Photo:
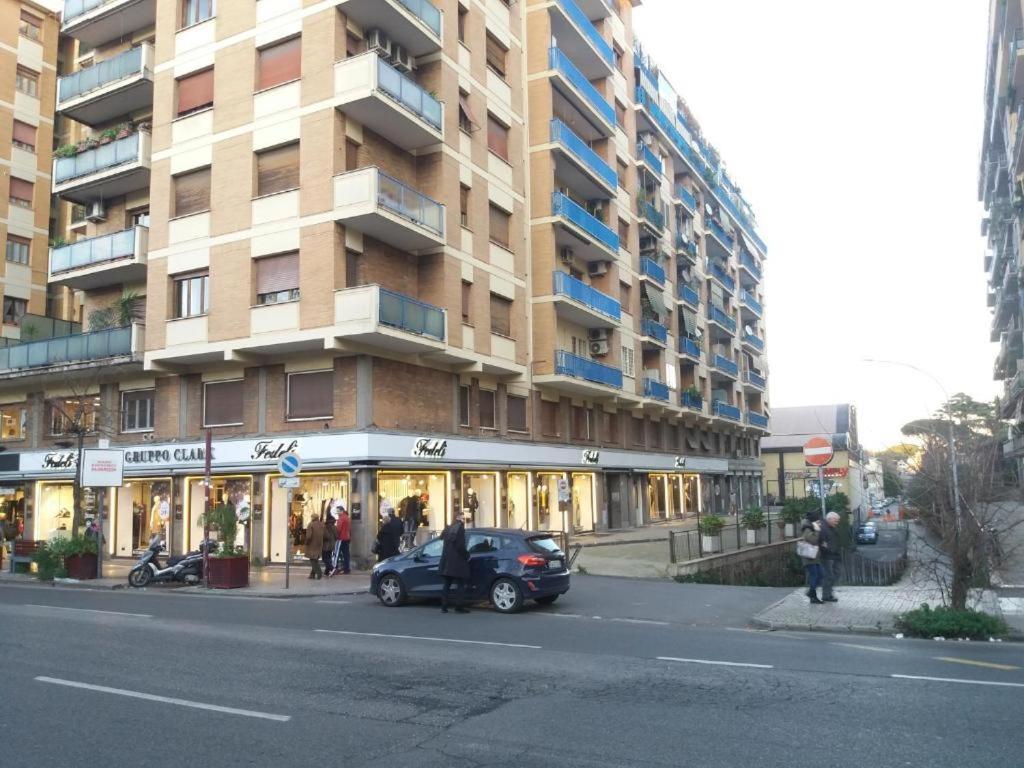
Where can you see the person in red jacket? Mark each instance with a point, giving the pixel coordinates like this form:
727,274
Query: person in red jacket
342,556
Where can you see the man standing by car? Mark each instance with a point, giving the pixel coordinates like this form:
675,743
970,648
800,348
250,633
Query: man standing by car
829,556
454,565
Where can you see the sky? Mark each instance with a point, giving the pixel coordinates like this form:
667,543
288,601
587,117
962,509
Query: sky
854,130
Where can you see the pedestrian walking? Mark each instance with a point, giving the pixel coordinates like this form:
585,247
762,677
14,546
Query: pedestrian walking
314,547
830,557
388,537
342,557
810,554
454,565
330,536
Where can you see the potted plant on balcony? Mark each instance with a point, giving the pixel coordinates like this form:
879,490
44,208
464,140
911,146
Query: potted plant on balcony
66,150
711,533
106,136
123,131
753,521
229,565
120,313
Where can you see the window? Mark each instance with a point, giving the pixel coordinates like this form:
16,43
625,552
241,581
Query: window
654,434
18,249
139,217
192,295
14,310
618,55
464,205
353,45
516,413
463,15
486,407
277,278
623,235
311,395
621,171
73,415
498,226
195,11
223,403
628,362
30,26
27,81
497,137
433,548
192,192
625,289
353,268
195,92
21,192
24,136
620,114
137,410
467,289
550,425
638,431
467,123
277,169
501,315
497,53
279,63
580,422
463,406
12,422
610,427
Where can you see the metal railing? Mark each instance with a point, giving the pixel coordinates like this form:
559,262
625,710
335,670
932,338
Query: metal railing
408,93
38,327
652,269
425,12
646,155
689,295
407,202
756,419
689,347
754,341
562,134
93,250
725,410
101,74
725,365
650,214
75,8
562,64
723,277
718,231
747,299
691,401
653,329
748,263
716,315
655,389
408,314
689,544
117,152
563,205
568,364
589,31
83,347
575,289
687,197
755,379
686,244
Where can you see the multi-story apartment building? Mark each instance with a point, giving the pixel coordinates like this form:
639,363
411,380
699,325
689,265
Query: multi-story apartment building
476,250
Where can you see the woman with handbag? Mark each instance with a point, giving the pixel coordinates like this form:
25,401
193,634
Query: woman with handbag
807,547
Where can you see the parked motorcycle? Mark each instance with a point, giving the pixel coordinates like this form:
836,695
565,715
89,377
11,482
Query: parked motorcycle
187,569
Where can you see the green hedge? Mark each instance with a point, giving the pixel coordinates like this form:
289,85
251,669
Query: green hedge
951,623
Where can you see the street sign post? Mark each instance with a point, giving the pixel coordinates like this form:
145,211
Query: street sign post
289,466
817,453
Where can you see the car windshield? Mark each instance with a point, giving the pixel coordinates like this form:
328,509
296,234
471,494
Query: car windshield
544,544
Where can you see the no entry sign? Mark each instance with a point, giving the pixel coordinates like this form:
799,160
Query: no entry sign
818,451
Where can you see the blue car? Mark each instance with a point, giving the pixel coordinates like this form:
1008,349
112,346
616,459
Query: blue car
507,568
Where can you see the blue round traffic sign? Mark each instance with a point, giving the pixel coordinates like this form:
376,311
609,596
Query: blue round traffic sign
289,464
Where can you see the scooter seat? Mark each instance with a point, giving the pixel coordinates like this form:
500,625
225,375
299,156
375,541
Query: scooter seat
175,559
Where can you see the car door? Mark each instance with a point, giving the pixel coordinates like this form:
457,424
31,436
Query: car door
483,551
420,576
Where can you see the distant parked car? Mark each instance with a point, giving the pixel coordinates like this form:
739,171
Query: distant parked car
867,534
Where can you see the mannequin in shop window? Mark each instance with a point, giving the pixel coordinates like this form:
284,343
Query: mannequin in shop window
471,505
412,512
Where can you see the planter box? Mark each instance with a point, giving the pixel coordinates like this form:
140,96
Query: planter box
229,572
751,536
80,566
711,543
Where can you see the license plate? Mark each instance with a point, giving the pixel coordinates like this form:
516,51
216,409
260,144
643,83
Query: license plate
555,565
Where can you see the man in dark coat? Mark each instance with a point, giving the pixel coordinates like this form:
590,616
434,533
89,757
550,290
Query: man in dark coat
454,564
388,537
830,557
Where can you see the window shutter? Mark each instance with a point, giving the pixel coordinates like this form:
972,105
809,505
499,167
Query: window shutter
277,273
466,111
224,403
311,395
277,169
280,63
497,138
501,315
486,403
516,413
498,229
195,92
192,192
496,53
21,189
24,133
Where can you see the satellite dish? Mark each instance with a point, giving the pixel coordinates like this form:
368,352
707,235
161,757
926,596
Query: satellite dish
748,330
698,331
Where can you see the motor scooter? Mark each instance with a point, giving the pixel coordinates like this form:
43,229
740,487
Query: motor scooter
184,568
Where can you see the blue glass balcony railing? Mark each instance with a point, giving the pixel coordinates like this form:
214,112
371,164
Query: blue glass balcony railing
118,152
80,348
748,263
726,366
686,197
74,8
646,155
717,315
575,289
650,214
655,390
561,63
579,18
689,295
755,379
93,250
408,314
99,75
652,269
568,364
718,231
407,202
691,401
686,245
689,347
754,341
747,299
653,329
562,134
726,411
562,205
756,419
723,277
425,12
408,93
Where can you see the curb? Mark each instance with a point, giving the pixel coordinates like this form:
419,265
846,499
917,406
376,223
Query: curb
774,626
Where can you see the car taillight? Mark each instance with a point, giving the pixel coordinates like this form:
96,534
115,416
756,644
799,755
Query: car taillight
532,561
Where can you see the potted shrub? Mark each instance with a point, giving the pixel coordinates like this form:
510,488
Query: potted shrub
67,150
753,521
107,136
80,557
124,130
711,533
229,565
792,514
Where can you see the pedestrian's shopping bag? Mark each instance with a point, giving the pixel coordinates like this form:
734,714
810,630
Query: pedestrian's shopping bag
806,549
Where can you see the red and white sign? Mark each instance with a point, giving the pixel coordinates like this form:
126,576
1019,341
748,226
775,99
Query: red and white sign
818,451
102,468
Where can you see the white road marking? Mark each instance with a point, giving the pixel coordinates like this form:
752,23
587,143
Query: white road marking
431,639
716,663
866,647
957,680
165,699
90,610
643,621
335,602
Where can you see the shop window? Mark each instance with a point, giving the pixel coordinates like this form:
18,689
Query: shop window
550,424
467,293
24,136
195,93
21,192
195,11
497,137
610,427
463,405
30,26
277,169
192,192
464,205
233,491
497,56
223,403
638,431
311,395
501,315
138,410
487,409
480,499
279,63
18,249
467,123
192,295
27,81
12,422
277,278
431,489
581,427
317,494
515,408
73,415
498,228
150,502
14,310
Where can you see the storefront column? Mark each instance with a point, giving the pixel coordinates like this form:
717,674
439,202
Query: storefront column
364,526
600,503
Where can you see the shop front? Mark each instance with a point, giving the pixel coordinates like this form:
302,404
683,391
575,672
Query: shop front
481,500
318,495
429,514
12,510
232,490
142,509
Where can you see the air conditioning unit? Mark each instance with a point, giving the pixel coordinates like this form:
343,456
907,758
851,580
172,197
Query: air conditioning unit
379,42
599,348
646,137
402,59
598,334
597,268
598,211
565,255
96,211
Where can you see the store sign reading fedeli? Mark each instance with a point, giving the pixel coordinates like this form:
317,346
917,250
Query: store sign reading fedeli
429,448
63,460
590,456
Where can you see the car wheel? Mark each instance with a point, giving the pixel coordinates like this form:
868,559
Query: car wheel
547,599
140,578
391,591
506,596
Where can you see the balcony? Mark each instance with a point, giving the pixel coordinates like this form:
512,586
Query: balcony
113,259
67,354
720,318
650,216
689,348
108,171
651,329
748,304
645,156
758,420
686,198
413,24
596,9
381,319
599,242
692,402
583,375
375,204
749,269
725,411
577,90
725,366
689,296
109,89
652,269
94,22
579,38
655,390
686,245
724,239
723,277
580,303
755,343
585,170
754,381
380,97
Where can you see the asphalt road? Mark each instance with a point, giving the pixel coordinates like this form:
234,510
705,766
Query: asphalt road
618,673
